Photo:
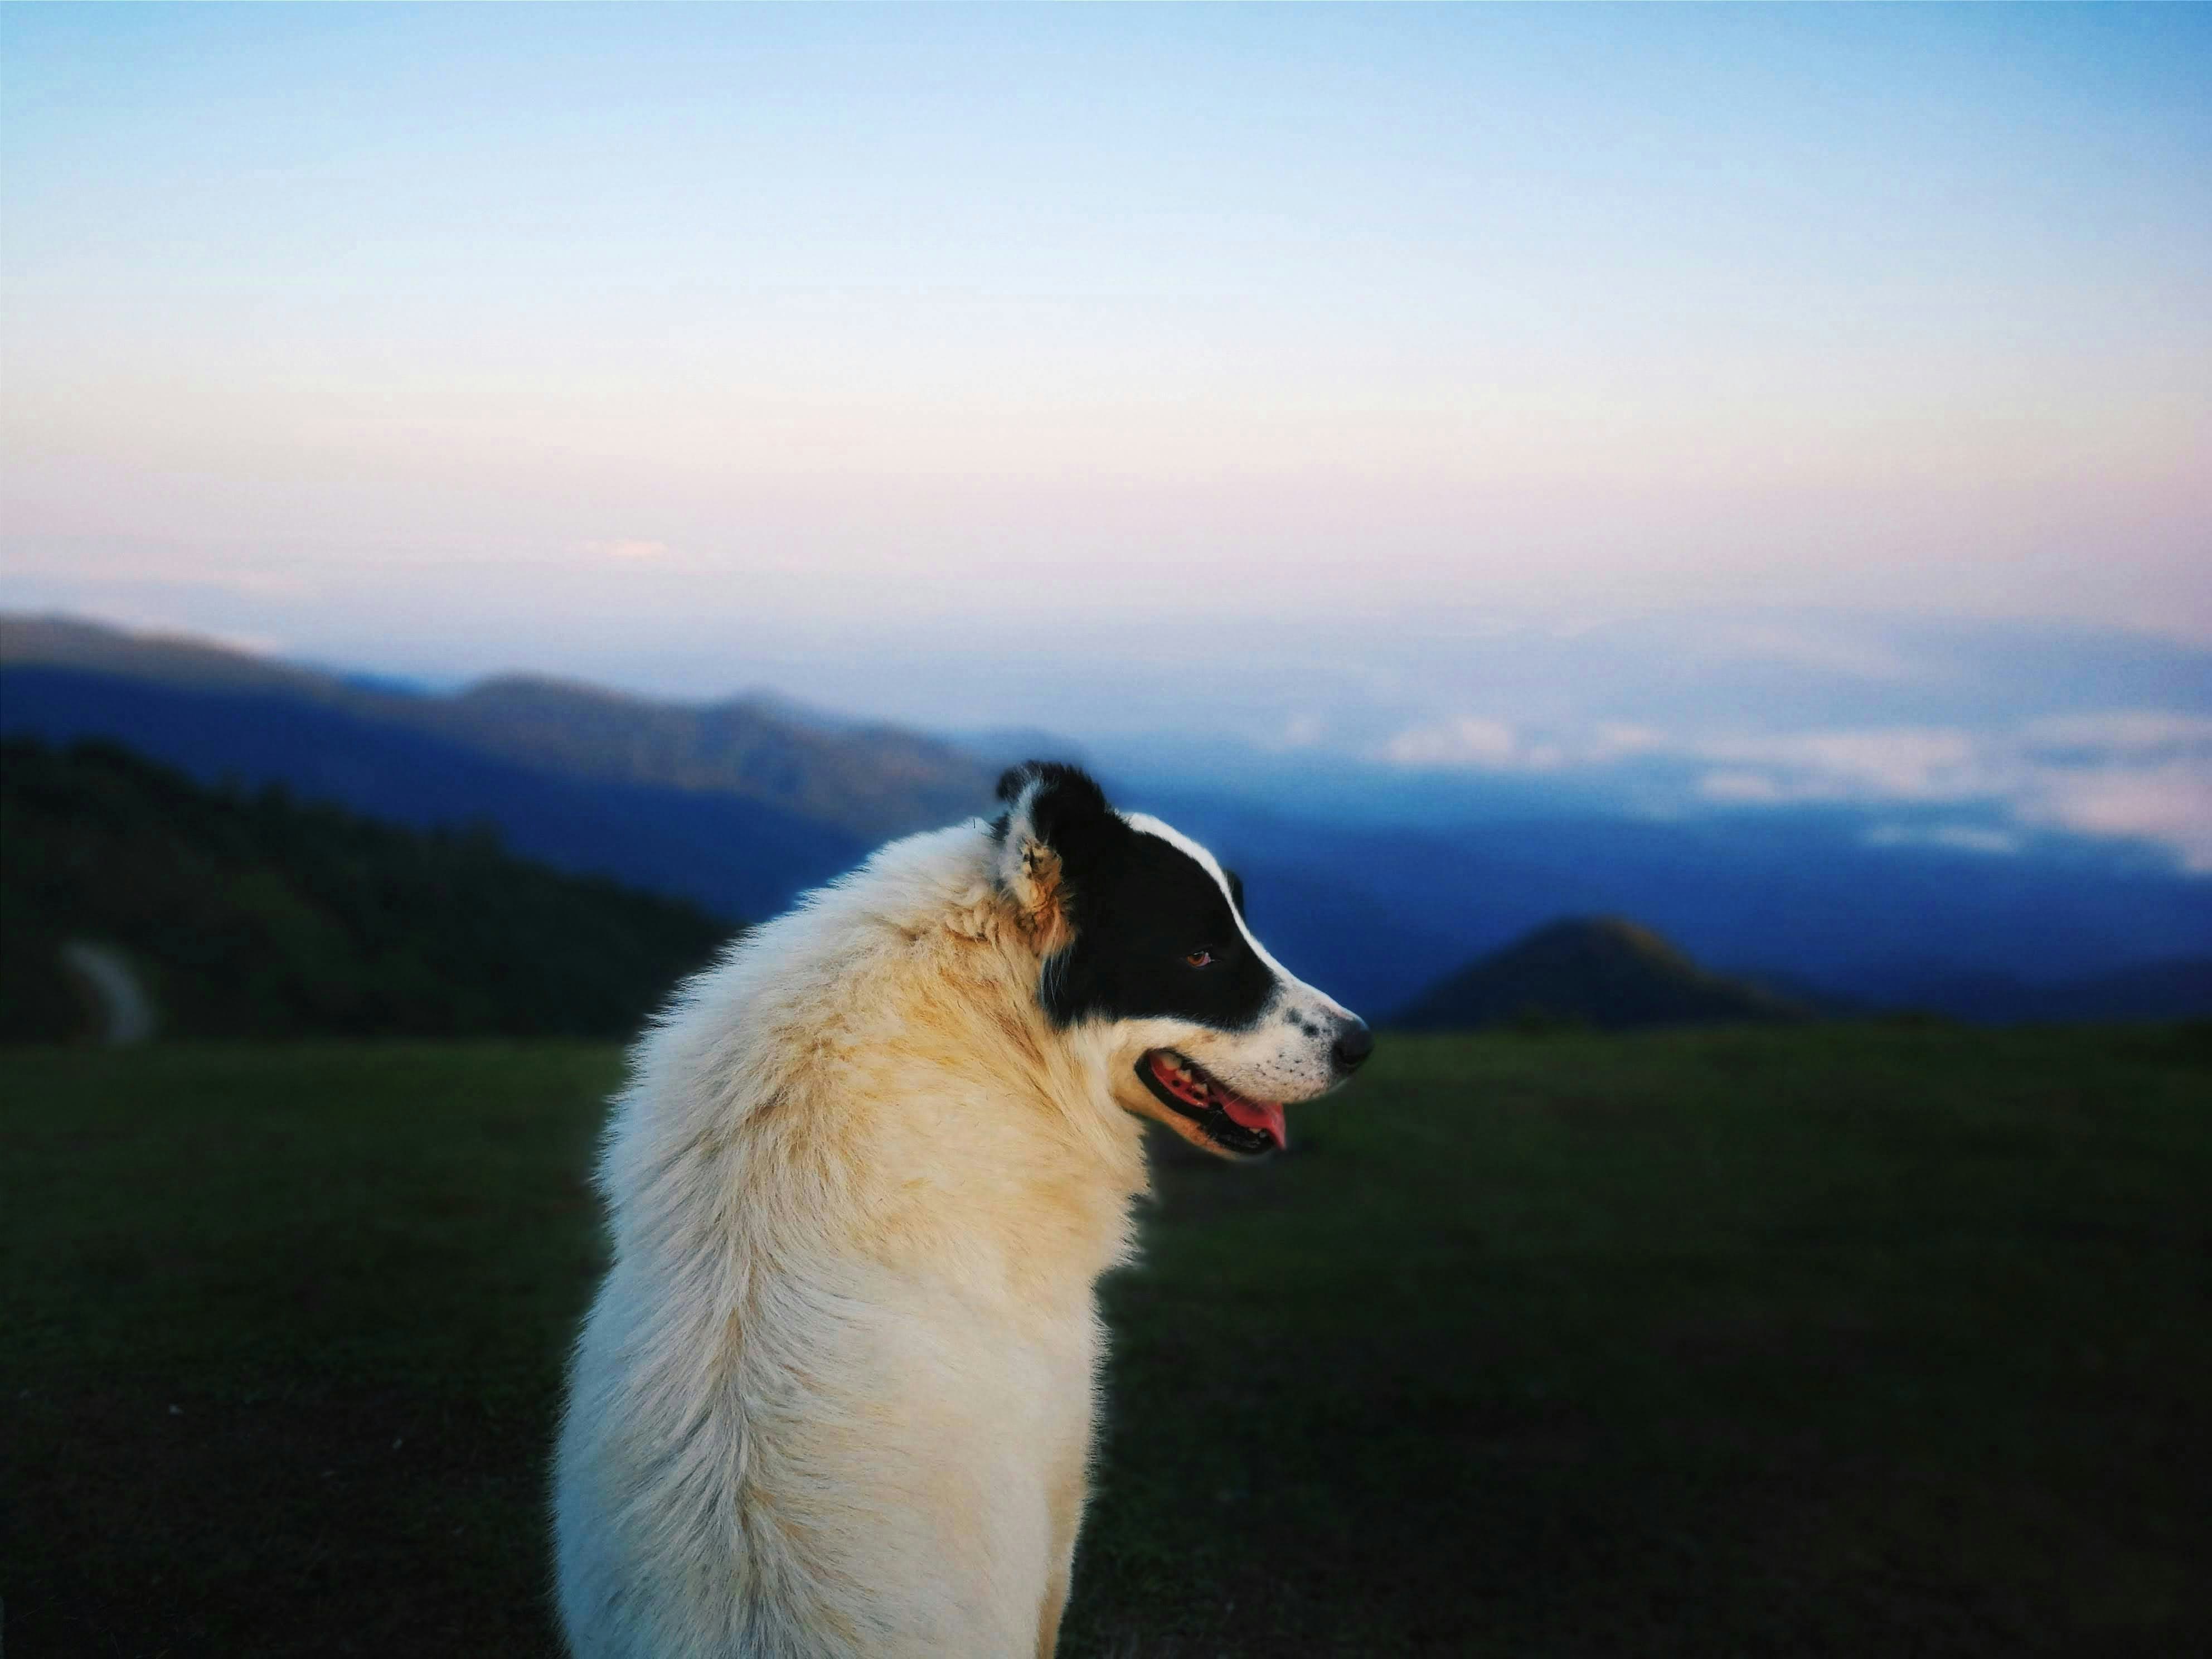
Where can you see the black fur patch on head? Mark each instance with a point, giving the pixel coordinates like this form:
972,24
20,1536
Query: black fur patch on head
1068,800
1155,935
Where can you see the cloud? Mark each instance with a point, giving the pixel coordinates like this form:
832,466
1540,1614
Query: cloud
1472,741
2132,731
2132,775
1960,837
1899,763
1482,743
1616,741
1856,659
2170,802
1741,789
2137,775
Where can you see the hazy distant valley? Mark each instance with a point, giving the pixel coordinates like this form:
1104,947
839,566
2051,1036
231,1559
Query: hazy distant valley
739,806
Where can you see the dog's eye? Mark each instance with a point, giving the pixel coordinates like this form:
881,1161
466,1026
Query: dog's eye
1199,959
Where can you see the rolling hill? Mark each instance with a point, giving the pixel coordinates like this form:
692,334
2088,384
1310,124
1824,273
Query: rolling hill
256,915
1600,971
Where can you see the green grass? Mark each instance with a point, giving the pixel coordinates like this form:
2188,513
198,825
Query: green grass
1834,1340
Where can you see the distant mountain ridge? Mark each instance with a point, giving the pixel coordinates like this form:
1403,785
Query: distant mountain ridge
1604,971
2177,987
739,858
739,806
870,782
1615,975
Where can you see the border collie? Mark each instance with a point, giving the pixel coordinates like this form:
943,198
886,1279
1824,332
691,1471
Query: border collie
835,1396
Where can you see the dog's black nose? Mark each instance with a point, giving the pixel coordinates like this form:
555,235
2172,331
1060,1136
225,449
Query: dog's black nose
1353,1044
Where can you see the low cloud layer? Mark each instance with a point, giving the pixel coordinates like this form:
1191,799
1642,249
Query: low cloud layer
2132,775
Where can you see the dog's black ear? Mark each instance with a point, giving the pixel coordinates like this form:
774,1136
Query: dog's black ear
1057,821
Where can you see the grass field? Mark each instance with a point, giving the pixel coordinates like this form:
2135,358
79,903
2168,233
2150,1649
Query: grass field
1880,1341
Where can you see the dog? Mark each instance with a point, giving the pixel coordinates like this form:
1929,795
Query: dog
835,1396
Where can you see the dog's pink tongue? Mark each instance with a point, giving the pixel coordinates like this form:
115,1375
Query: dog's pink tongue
1258,1115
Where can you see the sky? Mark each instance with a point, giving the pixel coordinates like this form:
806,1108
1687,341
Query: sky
1790,391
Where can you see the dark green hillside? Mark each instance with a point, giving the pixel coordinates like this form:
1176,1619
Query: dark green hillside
1602,971
259,915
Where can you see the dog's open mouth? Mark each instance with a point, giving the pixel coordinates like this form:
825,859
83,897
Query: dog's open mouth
1236,1123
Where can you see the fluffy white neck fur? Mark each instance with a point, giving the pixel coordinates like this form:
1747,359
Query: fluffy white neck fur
926,1061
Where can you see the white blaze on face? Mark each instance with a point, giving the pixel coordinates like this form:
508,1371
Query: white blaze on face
1287,1053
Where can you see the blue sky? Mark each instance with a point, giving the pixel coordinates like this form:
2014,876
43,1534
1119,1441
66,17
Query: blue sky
1270,373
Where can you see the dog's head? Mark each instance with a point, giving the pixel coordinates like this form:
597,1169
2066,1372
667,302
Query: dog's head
1142,943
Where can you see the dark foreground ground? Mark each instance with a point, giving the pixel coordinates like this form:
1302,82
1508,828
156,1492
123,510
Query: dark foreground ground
1882,1341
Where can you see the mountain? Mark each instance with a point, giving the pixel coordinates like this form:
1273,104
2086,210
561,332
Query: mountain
867,781
256,915
740,805
2176,988
737,857
1376,913
1603,971
171,660
871,782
